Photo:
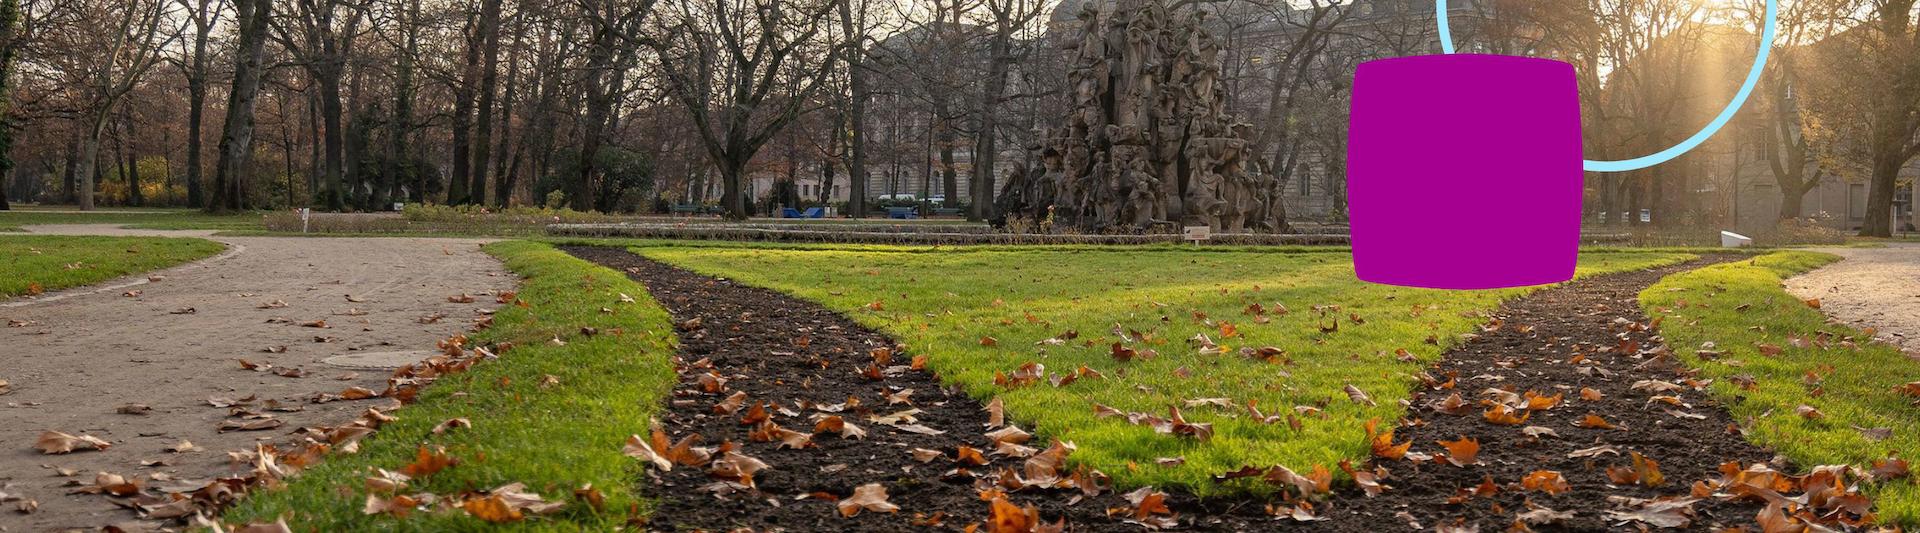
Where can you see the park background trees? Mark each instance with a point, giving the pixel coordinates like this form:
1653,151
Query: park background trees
357,104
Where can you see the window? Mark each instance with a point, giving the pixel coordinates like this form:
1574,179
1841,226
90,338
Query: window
1856,200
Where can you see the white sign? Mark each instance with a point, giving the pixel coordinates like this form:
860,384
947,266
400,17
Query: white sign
1730,239
305,215
1197,233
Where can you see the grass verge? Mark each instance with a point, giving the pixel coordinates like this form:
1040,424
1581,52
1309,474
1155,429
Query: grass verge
134,217
982,312
555,437
32,264
1741,308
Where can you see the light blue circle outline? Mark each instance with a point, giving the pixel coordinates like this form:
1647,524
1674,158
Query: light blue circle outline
1726,114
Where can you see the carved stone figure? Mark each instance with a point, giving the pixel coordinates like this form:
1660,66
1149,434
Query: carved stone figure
1147,145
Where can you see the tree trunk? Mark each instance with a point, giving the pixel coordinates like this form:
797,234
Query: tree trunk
236,138
986,149
1878,221
461,178
509,160
733,197
89,159
72,173
856,114
949,176
331,111
599,100
489,71
399,156
135,197
196,104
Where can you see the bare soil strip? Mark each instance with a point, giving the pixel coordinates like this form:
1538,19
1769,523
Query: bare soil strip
1583,338
143,366
808,363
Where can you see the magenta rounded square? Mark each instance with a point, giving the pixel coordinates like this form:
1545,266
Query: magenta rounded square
1464,171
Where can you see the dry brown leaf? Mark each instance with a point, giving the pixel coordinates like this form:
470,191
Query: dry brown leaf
1463,452
1382,442
1593,421
1547,481
996,413
398,506
1500,414
426,462
835,424
868,497
640,449
1358,396
54,443
257,424
450,424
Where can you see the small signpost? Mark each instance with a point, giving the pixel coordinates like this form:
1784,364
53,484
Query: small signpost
306,214
1197,233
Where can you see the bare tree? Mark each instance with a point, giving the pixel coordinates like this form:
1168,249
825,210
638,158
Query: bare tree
205,14
236,138
854,27
1882,60
108,46
321,34
724,61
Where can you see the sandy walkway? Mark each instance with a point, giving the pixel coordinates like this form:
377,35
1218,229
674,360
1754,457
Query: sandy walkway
1873,287
81,355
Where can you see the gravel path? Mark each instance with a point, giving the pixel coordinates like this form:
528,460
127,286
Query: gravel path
73,359
1873,287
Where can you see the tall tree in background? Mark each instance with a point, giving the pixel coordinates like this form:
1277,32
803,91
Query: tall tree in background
401,126
1291,63
853,32
507,164
613,30
1005,18
1885,51
724,61
236,137
488,31
321,35
9,32
204,14
460,181
110,45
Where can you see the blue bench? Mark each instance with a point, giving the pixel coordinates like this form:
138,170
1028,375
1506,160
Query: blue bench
811,212
903,212
686,209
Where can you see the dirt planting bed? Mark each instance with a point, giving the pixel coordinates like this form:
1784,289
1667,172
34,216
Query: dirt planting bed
800,420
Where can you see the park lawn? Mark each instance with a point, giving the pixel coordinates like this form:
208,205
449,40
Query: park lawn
554,437
1860,383
33,264
133,217
945,303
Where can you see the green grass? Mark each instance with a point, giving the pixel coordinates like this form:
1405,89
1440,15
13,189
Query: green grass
50,263
1703,306
942,301
134,217
554,439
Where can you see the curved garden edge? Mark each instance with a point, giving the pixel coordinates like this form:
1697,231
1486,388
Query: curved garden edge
1772,356
582,365
44,268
